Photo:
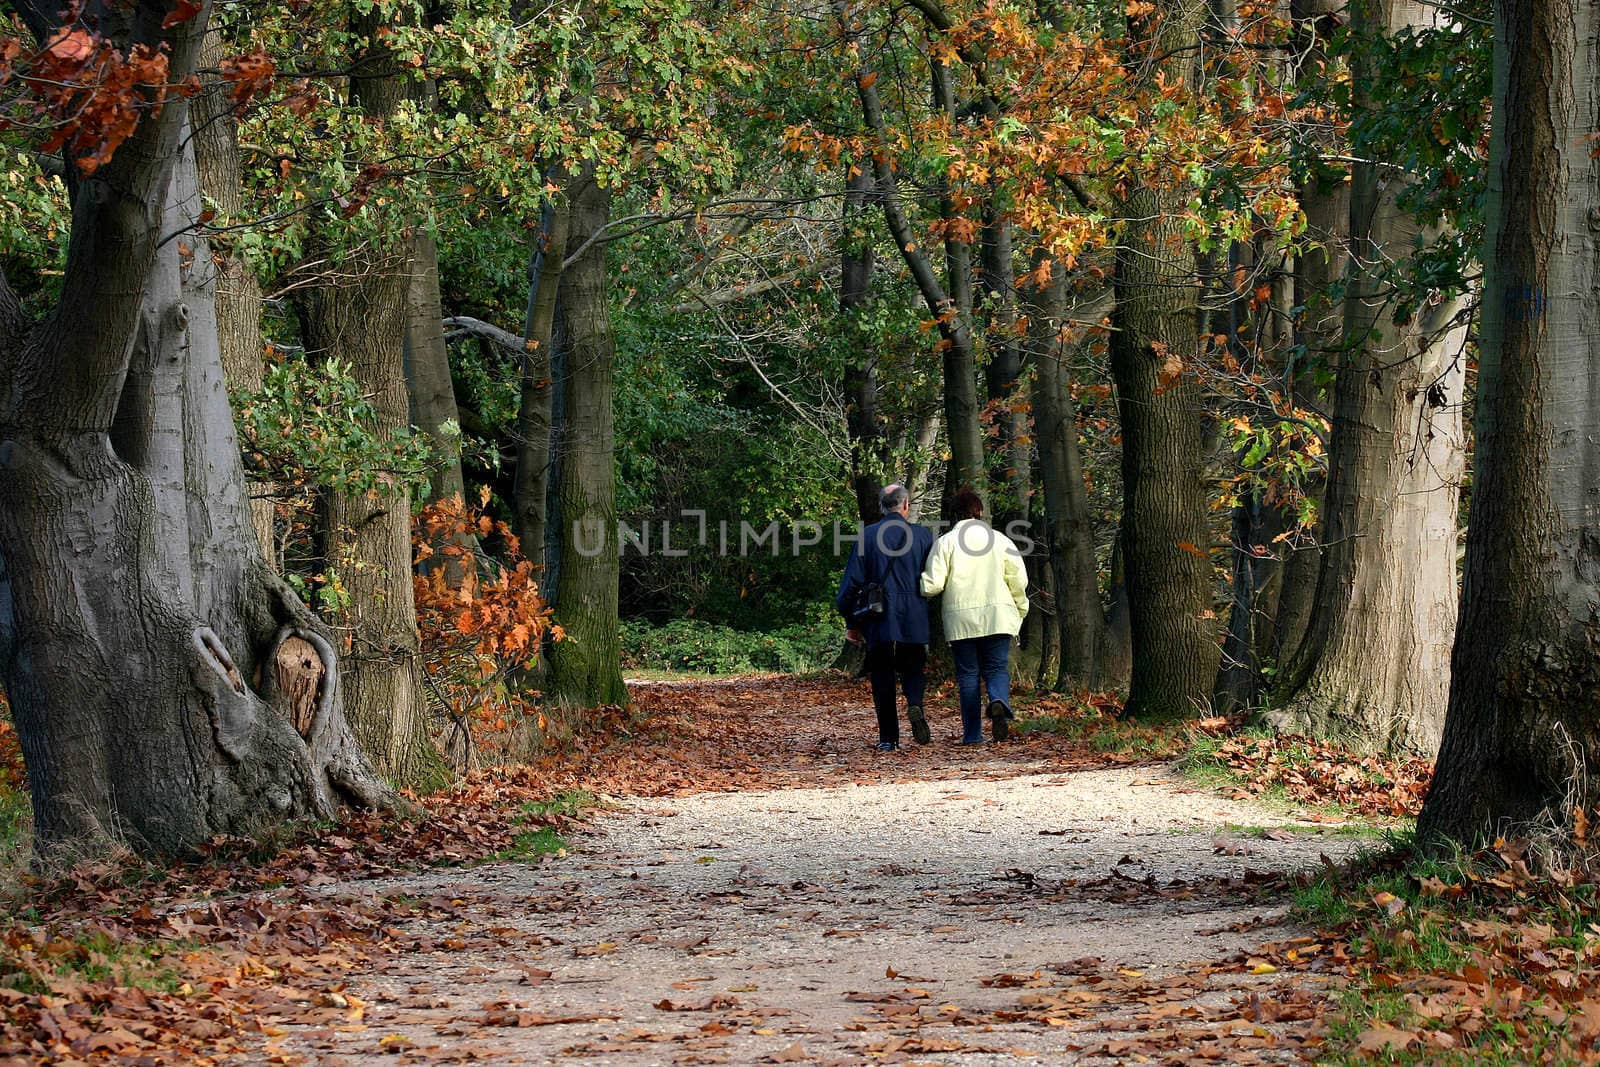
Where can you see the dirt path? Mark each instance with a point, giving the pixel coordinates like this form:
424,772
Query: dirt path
986,912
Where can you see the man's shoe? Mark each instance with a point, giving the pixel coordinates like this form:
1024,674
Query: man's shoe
970,741
999,720
885,746
919,724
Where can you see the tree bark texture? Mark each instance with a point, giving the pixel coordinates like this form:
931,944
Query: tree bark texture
1157,320
140,627
1373,669
427,370
1069,531
238,300
585,667
1520,739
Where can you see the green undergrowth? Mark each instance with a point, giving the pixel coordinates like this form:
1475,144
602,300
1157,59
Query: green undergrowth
697,648
32,961
1458,960
540,820
1093,724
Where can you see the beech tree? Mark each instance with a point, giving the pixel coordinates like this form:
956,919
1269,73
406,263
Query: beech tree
1155,340
1372,669
166,685
1520,733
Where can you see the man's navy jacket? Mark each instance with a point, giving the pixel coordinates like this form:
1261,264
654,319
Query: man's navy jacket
892,553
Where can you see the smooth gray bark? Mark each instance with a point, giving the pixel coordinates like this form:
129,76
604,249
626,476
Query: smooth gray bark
140,627
1373,669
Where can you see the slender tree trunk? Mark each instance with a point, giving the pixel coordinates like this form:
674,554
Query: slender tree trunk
147,650
585,668
534,413
967,468
951,307
238,299
1520,741
1006,363
427,367
1079,618
1117,662
358,316
861,378
1373,670
1318,330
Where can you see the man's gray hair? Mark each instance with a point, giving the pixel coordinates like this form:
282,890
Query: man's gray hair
893,498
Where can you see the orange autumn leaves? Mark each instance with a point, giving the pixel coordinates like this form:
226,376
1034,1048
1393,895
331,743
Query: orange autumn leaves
480,625
1061,124
84,93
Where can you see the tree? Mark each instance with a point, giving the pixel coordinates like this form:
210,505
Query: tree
1524,704
1372,670
354,309
585,667
216,146
1155,342
166,686
1079,617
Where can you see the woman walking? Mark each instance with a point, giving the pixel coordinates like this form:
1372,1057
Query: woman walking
985,597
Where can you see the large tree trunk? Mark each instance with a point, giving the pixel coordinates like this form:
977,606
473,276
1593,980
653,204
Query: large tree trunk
1079,618
166,686
1523,732
1373,670
238,299
1165,535
585,668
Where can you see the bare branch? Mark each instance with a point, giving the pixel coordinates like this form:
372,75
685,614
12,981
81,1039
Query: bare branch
460,326
736,293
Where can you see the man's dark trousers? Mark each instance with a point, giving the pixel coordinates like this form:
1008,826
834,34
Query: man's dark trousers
884,661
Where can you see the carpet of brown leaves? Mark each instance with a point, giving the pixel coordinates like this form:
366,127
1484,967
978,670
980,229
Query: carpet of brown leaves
1317,774
118,960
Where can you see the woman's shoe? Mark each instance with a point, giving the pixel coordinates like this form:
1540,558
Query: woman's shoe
919,724
970,741
999,720
885,746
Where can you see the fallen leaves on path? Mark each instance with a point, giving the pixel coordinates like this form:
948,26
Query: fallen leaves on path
1318,774
226,955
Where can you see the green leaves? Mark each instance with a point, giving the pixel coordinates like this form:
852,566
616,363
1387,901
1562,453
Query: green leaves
311,425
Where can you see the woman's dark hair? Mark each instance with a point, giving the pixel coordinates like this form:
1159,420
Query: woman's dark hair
967,505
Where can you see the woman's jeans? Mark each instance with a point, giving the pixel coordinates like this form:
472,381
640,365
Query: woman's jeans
982,659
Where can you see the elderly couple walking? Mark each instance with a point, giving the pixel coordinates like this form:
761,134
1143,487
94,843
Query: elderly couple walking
894,570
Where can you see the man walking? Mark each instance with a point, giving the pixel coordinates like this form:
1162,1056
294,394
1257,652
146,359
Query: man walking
881,603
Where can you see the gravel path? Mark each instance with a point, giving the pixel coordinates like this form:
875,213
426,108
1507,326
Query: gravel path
1052,916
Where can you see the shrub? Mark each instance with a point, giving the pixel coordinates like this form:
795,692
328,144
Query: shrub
707,648
13,777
